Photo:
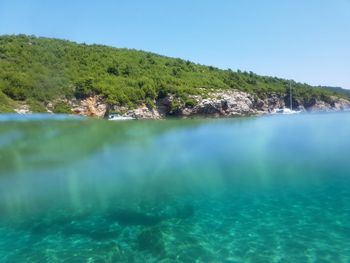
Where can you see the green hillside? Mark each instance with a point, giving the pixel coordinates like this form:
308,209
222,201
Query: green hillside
40,70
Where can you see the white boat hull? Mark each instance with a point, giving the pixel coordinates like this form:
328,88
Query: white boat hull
285,111
119,118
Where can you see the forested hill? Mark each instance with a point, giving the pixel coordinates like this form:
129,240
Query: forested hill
39,70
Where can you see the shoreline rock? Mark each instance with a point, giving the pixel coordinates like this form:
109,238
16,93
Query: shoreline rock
23,109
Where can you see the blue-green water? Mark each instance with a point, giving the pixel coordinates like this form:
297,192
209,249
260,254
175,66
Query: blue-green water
269,189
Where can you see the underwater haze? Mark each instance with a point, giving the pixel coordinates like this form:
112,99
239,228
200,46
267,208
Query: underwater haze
266,189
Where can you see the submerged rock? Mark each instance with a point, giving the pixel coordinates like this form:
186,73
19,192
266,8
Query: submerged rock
128,217
95,232
184,212
151,240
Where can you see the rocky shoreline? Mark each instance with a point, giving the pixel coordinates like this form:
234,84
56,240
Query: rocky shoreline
216,104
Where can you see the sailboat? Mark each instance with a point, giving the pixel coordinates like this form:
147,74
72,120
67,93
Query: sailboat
290,109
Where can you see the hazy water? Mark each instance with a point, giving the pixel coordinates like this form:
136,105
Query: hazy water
270,189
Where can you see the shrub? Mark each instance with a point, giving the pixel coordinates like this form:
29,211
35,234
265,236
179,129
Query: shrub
85,88
190,102
175,106
6,105
36,106
113,71
62,107
150,104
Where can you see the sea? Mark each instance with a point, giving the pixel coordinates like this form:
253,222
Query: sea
268,189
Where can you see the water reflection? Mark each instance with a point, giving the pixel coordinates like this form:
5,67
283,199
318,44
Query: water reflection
37,144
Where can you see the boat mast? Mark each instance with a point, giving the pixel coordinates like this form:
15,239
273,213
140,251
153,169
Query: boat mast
290,96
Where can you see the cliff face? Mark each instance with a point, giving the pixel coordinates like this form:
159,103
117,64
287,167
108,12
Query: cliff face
218,104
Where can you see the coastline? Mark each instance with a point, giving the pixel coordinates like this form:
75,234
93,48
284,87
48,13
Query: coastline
229,103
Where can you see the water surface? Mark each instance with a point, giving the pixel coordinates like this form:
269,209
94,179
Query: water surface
268,189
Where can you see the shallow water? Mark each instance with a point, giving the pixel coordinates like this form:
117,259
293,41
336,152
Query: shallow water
269,189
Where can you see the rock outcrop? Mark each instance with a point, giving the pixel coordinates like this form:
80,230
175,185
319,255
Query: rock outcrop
95,106
231,103
141,112
336,104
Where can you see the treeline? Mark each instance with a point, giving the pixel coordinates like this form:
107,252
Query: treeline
39,70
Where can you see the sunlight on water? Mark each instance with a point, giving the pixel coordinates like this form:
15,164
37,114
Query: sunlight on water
270,189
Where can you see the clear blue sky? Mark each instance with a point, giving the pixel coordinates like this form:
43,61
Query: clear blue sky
305,40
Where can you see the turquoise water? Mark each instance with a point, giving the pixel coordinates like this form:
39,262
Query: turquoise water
267,189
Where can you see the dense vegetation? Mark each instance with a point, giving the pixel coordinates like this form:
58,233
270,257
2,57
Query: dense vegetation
38,70
6,105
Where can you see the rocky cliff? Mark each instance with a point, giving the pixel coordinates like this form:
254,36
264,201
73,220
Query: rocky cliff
219,104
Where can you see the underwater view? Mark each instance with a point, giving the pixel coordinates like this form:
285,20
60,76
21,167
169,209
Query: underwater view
257,189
